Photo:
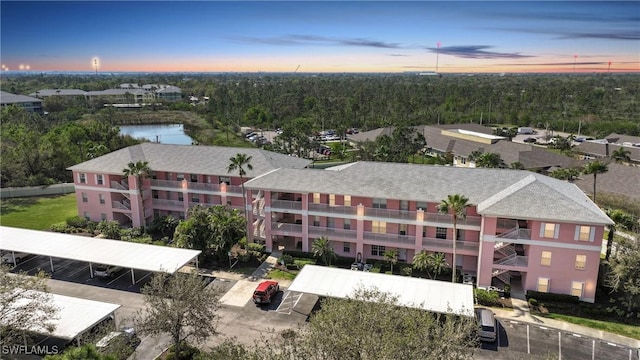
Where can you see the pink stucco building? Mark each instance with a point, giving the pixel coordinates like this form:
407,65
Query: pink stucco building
521,226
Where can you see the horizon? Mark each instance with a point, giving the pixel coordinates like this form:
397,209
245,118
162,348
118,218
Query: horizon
461,37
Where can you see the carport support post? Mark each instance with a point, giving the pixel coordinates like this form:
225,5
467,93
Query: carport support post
91,269
51,262
133,277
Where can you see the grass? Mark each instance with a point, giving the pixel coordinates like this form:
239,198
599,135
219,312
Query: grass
278,274
37,213
612,327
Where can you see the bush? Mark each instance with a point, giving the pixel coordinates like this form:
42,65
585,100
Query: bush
285,259
533,302
243,243
560,298
77,221
256,247
187,352
60,227
487,297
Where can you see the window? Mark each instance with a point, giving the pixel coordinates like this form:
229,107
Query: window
577,288
545,259
584,233
194,178
421,205
195,198
543,284
84,197
347,224
154,194
403,229
441,233
316,198
549,230
180,177
225,179
154,175
581,262
346,247
404,205
332,200
82,178
424,231
180,197
377,250
463,160
87,216
103,216
379,227
101,197
100,179
379,203
331,223
316,221
347,200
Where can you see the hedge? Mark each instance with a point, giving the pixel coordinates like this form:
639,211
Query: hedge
562,298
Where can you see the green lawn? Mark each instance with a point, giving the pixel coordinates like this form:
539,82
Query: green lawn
37,213
612,327
278,274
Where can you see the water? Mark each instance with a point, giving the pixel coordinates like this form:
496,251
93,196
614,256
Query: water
164,134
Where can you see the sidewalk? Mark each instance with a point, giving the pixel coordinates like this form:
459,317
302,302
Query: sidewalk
520,313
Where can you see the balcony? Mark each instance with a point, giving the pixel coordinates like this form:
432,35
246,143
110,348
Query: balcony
448,219
341,210
203,186
124,205
390,214
286,205
331,233
286,229
172,184
122,185
447,245
395,239
176,204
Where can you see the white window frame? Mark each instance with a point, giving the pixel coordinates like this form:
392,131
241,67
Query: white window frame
225,179
545,260
547,285
82,178
422,205
544,233
573,288
378,250
585,236
379,203
99,179
347,200
85,198
331,223
87,216
582,263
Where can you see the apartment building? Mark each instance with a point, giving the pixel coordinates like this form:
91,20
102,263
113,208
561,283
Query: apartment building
182,176
28,103
521,226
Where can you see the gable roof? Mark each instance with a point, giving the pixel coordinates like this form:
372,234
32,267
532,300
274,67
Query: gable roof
620,180
59,92
9,98
498,193
189,159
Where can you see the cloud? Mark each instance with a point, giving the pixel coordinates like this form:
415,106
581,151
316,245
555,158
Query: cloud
618,35
476,52
558,63
305,40
400,55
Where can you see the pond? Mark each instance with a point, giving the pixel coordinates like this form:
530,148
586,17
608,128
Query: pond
161,133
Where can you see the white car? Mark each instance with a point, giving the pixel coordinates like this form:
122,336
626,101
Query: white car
8,257
105,271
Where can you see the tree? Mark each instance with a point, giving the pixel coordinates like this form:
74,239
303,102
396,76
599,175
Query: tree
595,168
432,263
214,230
86,352
140,170
620,220
391,256
489,160
238,163
623,275
421,261
322,248
456,205
621,155
25,305
517,165
181,305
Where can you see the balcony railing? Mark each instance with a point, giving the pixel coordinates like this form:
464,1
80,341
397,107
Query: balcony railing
286,205
448,219
513,260
286,228
119,185
325,208
390,214
318,231
168,203
447,245
124,205
173,184
179,184
390,238
516,234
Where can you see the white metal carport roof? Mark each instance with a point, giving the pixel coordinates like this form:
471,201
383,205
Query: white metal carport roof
431,295
94,250
75,316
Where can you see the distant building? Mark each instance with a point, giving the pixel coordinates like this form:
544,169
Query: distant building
28,103
58,92
169,93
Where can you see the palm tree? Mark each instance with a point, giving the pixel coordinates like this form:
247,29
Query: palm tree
321,248
595,168
456,204
421,261
621,155
620,220
437,263
140,170
489,160
238,163
391,256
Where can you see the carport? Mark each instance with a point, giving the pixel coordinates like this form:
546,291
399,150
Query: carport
75,316
124,254
431,295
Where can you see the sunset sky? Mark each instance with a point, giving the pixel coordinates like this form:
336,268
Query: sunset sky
331,36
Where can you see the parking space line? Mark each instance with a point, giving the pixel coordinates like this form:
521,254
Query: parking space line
577,335
593,350
528,341
84,268
514,322
612,344
543,328
146,276
116,279
559,345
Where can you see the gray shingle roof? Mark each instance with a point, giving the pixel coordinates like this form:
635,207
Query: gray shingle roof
495,191
59,92
188,159
116,92
620,180
9,98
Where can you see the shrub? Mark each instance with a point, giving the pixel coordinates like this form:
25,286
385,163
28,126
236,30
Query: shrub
60,227
487,297
533,302
256,247
285,259
243,243
407,271
77,221
560,298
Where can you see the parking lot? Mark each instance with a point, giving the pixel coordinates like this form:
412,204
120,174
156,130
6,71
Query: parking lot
517,339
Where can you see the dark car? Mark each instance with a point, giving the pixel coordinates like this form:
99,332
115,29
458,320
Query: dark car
530,140
265,292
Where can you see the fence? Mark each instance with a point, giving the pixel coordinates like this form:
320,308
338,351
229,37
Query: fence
56,189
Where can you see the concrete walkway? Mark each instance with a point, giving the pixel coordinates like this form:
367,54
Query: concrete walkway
521,313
